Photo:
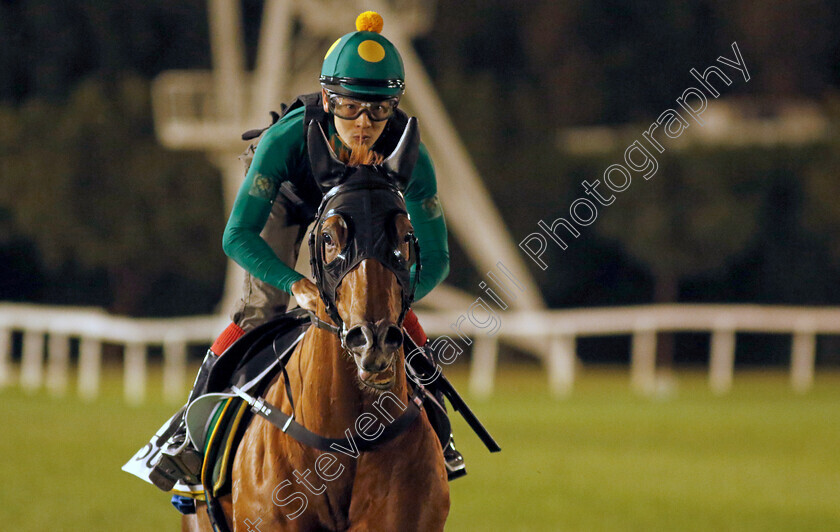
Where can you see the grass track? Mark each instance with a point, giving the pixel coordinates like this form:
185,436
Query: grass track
761,458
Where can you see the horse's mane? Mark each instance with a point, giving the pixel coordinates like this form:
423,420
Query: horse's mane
361,155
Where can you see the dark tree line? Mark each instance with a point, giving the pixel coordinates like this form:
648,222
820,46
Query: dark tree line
75,127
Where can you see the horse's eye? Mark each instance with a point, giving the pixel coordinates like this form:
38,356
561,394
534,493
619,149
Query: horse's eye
327,239
407,237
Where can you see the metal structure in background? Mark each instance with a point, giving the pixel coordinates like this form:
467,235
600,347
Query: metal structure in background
51,331
731,122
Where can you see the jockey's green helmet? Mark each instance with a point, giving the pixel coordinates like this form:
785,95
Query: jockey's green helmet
364,64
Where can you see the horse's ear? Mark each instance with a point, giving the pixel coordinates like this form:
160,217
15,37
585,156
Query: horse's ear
400,164
326,167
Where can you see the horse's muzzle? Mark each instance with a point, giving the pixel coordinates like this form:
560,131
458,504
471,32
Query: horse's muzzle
373,346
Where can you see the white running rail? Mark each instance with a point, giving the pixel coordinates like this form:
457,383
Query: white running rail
93,327
47,333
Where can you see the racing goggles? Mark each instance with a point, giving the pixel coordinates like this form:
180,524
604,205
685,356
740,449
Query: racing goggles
350,108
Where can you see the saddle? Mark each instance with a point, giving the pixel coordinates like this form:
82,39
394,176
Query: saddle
246,358
217,420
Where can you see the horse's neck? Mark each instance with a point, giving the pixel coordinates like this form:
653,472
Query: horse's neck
328,397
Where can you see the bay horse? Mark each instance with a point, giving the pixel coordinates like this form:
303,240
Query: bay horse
340,382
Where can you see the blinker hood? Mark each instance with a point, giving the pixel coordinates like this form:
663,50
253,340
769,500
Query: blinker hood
368,198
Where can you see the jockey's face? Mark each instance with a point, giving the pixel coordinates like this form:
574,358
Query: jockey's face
361,130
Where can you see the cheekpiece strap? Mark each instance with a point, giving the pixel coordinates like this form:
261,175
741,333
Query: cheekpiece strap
321,324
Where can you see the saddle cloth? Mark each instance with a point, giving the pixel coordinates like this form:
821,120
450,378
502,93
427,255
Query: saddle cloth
217,420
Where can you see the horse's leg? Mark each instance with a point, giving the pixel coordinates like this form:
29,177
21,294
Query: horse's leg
407,508
256,509
393,493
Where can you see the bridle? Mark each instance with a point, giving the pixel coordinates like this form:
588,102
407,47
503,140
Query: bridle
371,234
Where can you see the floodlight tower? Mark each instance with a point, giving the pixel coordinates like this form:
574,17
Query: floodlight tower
209,110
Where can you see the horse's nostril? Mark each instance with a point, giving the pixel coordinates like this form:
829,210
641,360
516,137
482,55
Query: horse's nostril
356,338
393,338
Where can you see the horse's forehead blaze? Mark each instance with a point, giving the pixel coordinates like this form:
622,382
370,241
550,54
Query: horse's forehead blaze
369,292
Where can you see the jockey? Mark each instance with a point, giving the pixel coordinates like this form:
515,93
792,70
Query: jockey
362,81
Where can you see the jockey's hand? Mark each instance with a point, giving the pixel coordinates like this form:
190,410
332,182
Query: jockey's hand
306,294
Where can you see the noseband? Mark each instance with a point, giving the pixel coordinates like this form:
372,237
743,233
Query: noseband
369,203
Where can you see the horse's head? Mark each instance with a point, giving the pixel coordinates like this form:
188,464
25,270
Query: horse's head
362,248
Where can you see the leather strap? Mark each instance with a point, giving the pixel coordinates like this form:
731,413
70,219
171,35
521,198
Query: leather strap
321,324
288,425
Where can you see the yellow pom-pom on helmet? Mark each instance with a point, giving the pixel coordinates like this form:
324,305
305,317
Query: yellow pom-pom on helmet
370,21
363,63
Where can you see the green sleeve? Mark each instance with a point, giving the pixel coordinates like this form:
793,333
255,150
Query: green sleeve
426,216
278,156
